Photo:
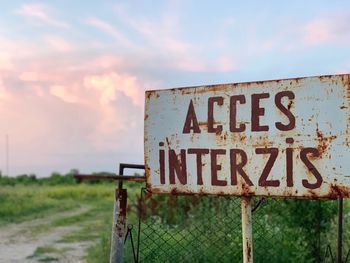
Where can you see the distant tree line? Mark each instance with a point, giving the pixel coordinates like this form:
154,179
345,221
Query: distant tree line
54,179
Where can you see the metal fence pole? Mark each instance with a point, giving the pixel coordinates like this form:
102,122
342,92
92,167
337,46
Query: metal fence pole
119,216
247,233
118,229
340,231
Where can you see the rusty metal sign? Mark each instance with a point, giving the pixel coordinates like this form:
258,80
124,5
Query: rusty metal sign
271,138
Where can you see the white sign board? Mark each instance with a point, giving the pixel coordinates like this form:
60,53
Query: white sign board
271,138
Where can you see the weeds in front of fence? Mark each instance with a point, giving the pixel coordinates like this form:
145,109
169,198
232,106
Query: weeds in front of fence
208,229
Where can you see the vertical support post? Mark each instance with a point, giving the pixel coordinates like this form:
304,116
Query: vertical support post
118,229
119,217
247,233
340,231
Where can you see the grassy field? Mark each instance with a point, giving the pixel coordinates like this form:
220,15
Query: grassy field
89,207
59,219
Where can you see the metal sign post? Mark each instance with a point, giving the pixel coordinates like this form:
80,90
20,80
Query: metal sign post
247,232
120,206
119,216
118,229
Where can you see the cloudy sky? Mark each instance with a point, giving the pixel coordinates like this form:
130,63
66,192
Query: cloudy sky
73,73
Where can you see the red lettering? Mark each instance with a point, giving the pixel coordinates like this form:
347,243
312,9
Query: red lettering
285,111
211,101
177,167
191,122
303,156
233,113
289,163
266,171
215,167
257,112
237,168
199,153
162,166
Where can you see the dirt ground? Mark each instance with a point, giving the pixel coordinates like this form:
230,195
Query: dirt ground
32,241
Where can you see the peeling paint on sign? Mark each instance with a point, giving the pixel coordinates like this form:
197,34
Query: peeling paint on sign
271,138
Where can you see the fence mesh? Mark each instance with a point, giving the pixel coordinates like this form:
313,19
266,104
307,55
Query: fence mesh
192,229
208,229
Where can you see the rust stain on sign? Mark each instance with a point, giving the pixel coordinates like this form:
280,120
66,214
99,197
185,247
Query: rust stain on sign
268,138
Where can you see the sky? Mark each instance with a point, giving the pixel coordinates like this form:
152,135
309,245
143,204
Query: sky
73,73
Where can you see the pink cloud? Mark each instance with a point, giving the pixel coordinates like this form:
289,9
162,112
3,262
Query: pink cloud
5,94
59,44
64,93
328,29
11,49
226,63
40,13
43,70
108,61
317,32
29,76
5,63
52,105
109,84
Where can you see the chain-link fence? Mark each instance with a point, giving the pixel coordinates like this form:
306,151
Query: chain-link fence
208,229
190,229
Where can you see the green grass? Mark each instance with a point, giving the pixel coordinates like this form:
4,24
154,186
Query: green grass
48,259
41,254
21,203
47,253
44,250
100,251
91,230
62,203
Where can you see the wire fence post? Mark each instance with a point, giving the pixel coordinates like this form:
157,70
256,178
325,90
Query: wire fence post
118,229
119,216
247,233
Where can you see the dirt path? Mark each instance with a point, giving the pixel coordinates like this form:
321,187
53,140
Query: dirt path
18,242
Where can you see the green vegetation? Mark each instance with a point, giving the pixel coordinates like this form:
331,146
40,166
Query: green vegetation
20,203
99,252
54,179
196,229
88,205
43,250
46,253
173,229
